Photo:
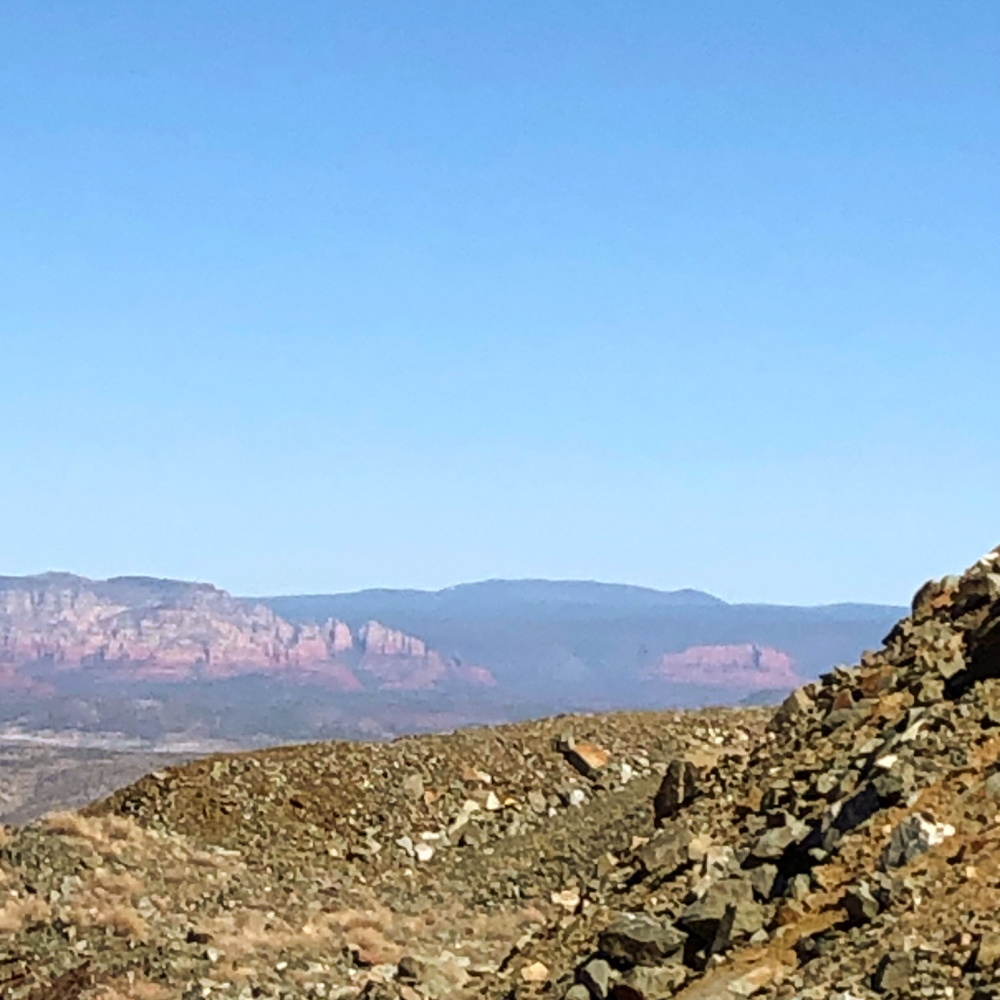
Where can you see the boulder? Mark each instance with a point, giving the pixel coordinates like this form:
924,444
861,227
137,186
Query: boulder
988,952
798,702
647,983
588,758
912,837
861,905
702,918
678,787
773,843
640,939
762,878
596,976
413,787
667,851
893,973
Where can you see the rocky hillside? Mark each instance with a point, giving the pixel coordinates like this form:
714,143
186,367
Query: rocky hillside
133,629
845,846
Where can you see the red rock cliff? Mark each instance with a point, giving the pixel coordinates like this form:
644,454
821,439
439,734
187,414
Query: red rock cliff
141,629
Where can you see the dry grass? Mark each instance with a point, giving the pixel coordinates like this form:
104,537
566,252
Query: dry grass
108,835
124,920
371,947
107,900
503,928
21,912
122,843
218,859
375,935
251,932
132,987
121,917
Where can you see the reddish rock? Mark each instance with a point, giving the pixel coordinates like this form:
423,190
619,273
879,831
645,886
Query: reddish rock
741,666
139,629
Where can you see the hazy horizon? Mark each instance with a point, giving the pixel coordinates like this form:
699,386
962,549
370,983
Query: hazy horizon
513,581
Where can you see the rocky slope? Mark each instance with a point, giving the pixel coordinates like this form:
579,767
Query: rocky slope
845,846
133,629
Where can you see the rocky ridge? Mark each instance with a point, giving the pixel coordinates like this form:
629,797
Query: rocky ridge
853,854
138,629
845,846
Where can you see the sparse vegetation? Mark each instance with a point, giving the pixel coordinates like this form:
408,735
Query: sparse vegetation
770,854
20,913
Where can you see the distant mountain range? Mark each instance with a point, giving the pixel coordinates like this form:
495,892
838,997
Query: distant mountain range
479,651
613,643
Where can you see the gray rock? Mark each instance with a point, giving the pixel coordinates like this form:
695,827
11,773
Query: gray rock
773,843
678,787
650,983
702,918
413,787
894,972
640,939
666,852
724,932
861,906
993,787
795,704
912,837
596,976
409,969
988,952
799,887
537,801
762,879
928,690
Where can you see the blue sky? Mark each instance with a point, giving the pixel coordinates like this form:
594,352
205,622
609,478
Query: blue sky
303,297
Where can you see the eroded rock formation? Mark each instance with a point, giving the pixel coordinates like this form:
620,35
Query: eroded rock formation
743,665
142,629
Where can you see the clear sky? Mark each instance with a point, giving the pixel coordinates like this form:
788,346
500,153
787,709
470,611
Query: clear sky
314,296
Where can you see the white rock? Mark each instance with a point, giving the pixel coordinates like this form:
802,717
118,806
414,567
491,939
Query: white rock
568,899
936,833
535,973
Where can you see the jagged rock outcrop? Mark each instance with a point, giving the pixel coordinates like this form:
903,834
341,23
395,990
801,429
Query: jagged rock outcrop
134,628
852,854
403,662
